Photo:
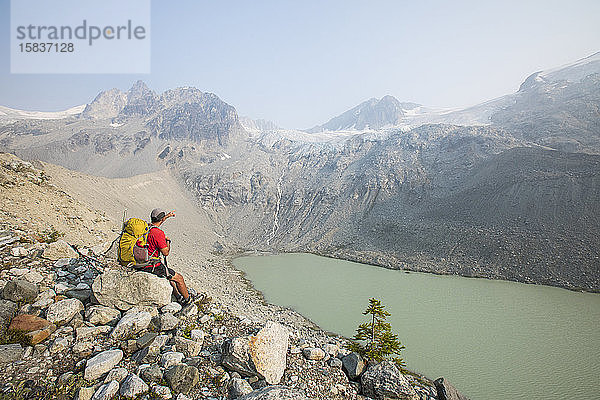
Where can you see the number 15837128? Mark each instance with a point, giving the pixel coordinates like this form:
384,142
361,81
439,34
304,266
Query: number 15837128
46,47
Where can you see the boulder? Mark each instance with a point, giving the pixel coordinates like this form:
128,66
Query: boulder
33,277
85,393
19,251
20,290
275,393
331,349
335,363
197,335
190,348
385,381
132,387
106,391
124,290
102,315
172,308
446,391
171,358
238,387
63,311
263,354
145,340
60,249
101,363
7,310
10,353
162,392
182,378
36,329
354,365
167,321
132,322
152,373
87,332
313,353
116,374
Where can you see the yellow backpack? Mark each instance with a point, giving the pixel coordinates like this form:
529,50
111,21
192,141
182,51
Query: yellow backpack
135,231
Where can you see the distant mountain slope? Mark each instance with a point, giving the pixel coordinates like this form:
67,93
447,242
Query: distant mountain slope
8,115
371,114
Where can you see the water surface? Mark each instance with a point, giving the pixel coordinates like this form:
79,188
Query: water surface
492,339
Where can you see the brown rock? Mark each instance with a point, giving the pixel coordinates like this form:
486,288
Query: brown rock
36,329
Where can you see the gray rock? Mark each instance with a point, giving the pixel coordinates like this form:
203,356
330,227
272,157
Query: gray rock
171,358
182,378
85,332
168,321
106,391
152,373
331,349
197,335
385,381
81,295
133,386
190,348
263,355
140,356
313,353
33,277
275,393
60,343
238,387
10,353
116,374
59,249
123,290
163,392
335,363
236,356
20,290
7,311
101,363
132,322
172,308
102,315
63,311
446,391
146,339
354,365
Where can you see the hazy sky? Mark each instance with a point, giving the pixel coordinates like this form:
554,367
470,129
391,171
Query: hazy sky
299,63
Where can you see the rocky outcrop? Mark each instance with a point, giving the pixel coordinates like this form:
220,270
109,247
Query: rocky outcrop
200,350
385,381
446,391
121,289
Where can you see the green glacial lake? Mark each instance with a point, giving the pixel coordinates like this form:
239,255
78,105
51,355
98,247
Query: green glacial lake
492,339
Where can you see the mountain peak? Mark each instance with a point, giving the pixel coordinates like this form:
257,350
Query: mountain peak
370,114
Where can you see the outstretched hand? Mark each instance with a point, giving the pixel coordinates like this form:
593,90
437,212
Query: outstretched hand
171,214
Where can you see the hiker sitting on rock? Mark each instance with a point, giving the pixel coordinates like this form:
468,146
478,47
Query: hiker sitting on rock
158,242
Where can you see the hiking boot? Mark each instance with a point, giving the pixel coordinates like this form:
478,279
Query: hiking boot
185,302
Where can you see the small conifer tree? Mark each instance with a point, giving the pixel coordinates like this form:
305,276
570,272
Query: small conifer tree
379,341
